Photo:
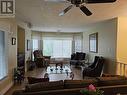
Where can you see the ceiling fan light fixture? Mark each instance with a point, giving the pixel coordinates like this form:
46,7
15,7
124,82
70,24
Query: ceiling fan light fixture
61,14
79,3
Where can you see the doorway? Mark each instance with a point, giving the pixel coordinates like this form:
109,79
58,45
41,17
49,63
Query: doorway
21,48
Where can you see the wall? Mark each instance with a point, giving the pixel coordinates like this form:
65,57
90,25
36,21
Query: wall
122,40
27,37
10,27
107,35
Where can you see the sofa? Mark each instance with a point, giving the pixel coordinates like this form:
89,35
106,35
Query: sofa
111,85
77,59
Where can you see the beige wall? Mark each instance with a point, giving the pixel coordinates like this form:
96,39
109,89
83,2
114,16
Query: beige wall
27,37
122,40
107,35
10,27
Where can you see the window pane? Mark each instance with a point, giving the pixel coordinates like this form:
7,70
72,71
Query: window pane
47,47
3,65
57,48
78,45
67,48
35,44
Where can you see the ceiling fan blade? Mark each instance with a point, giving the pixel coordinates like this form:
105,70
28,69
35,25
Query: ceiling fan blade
55,0
99,1
85,10
65,10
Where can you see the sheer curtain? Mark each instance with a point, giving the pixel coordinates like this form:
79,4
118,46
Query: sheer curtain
77,43
57,44
3,64
36,41
57,47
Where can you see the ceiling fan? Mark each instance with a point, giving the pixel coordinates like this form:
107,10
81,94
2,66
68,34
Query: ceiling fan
79,3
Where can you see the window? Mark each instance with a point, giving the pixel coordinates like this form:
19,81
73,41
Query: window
57,47
78,45
35,44
3,63
93,42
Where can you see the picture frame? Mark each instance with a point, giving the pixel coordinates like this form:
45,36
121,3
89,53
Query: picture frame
28,45
93,42
13,41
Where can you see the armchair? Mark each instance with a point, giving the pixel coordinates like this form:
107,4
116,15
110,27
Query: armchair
40,60
92,65
77,58
95,69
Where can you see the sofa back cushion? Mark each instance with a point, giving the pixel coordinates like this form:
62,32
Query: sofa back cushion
44,86
80,56
68,84
111,81
73,56
32,80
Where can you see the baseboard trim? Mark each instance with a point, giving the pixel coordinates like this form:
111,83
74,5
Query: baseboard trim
6,89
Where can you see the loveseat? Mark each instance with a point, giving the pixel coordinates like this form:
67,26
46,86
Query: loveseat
111,85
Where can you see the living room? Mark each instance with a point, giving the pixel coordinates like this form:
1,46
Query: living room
111,30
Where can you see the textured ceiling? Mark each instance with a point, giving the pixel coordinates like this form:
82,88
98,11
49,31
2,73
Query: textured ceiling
44,15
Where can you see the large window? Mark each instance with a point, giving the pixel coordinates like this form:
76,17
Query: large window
3,64
57,48
35,44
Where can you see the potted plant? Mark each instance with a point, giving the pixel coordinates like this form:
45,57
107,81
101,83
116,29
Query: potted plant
91,90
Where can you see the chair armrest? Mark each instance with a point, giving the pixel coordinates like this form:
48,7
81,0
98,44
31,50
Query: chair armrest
40,58
48,57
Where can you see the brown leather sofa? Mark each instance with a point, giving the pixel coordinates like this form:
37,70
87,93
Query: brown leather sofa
111,85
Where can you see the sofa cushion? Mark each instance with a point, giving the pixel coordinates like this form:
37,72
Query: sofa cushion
68,84
44,86
32,80
110,81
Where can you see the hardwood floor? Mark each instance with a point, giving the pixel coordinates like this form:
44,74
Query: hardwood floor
39,72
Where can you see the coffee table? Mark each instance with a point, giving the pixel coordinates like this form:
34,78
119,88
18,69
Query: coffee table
57,73
58,70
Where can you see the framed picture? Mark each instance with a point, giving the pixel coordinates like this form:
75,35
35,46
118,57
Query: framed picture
13,41
28,44
93,42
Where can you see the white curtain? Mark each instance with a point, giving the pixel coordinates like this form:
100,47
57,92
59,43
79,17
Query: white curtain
37,41
54,43
77,43
57,47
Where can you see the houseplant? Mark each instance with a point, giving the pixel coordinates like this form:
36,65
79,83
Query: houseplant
91,90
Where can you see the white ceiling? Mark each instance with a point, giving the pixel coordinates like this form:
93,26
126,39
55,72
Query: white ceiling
44,15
